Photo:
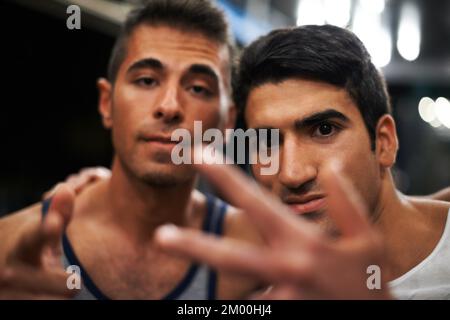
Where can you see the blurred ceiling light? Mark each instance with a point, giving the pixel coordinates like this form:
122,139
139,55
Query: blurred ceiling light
426,109
310,12
435,123
442,111
409,37
375,6
375,35
337,12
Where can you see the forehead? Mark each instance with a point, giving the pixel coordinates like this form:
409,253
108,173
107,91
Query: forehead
272,105
175,48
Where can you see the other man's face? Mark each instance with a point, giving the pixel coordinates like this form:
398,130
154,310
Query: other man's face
168,80
318,123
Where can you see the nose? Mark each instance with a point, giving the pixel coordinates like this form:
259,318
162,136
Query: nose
297,169
169,108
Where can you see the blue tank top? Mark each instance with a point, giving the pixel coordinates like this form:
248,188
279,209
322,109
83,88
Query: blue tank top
199,282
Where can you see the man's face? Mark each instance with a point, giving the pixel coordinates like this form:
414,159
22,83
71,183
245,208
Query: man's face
318,123
168,80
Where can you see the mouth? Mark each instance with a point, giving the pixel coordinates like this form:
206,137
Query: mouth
307,206
159,141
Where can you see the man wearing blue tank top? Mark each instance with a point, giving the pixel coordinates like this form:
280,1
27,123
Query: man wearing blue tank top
170,67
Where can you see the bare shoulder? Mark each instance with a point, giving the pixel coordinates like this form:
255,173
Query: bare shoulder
436,212
15,224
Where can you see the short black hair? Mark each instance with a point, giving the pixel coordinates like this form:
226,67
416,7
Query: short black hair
187,15
323,53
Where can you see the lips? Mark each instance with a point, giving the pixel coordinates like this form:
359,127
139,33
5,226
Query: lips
159,141
306,205
158,138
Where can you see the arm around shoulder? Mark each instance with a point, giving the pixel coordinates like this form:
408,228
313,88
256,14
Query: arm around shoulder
14,225
442,195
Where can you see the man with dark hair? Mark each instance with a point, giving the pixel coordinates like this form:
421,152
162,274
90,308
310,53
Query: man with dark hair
307,53
169,68
360,237
191,16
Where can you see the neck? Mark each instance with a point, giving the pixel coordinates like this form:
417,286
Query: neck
389,204
405,229
138,208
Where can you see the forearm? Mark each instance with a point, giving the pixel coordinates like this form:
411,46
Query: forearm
442,195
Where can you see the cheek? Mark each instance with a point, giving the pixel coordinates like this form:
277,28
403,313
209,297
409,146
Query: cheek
358,160
126,118
209,115
367,183
121,122
212,119
354,156
135,100
360,167
130,107
265,180
352,148
120,133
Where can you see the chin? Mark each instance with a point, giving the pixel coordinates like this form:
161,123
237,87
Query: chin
323,222
328,227
160,180
157,170
166,175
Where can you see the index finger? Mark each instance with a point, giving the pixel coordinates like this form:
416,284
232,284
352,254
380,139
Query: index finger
265,210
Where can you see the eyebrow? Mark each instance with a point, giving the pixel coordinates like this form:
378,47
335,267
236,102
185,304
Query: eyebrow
151,63
319,117
148,63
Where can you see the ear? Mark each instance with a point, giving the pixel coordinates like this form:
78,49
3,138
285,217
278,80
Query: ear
230,122
386,141
105,101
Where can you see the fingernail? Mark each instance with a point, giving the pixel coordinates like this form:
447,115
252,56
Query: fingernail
167,233
103,172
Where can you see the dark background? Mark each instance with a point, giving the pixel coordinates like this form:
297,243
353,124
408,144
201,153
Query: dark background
50,127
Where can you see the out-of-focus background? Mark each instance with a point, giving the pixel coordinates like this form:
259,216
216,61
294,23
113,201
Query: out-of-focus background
50,127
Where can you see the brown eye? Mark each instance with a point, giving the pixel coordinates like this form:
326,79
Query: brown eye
146,82
199,90
325,129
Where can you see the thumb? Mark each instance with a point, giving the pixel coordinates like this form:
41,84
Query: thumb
59,216
40,237
62,202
